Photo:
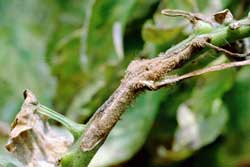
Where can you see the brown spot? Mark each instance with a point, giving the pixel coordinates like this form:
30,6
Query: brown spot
224,16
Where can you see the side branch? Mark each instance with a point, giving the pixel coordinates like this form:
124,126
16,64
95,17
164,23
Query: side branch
174,79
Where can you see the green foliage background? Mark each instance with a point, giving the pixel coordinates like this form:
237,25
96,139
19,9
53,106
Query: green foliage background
73,53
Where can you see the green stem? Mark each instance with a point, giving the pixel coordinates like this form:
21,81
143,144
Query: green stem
75,128
225,35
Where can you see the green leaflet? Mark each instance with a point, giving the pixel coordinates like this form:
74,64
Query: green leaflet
236,146
107,22
202,117
194,131
63,50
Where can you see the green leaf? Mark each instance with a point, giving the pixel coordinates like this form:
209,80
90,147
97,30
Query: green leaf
202,118
237,100
160,35
107,22
141,10
22,45
194,131
235,150
63,50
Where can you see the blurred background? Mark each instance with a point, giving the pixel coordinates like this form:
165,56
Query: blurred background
73,53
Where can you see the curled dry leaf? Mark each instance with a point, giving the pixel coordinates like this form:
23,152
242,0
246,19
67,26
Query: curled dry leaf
224,16
32,140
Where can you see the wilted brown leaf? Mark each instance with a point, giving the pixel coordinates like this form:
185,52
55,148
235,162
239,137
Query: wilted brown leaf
32,140
224,16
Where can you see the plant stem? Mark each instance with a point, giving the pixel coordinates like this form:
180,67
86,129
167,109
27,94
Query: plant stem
174,57
75,128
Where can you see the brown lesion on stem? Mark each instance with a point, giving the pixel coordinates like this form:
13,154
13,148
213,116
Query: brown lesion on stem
147,73
131,85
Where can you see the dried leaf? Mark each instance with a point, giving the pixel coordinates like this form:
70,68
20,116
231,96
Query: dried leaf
32,140
224,16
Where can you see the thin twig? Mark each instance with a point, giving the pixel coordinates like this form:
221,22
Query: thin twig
218,67
235,55
192,17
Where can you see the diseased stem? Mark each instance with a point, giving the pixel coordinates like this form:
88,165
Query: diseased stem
139,70
108,113
138,73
